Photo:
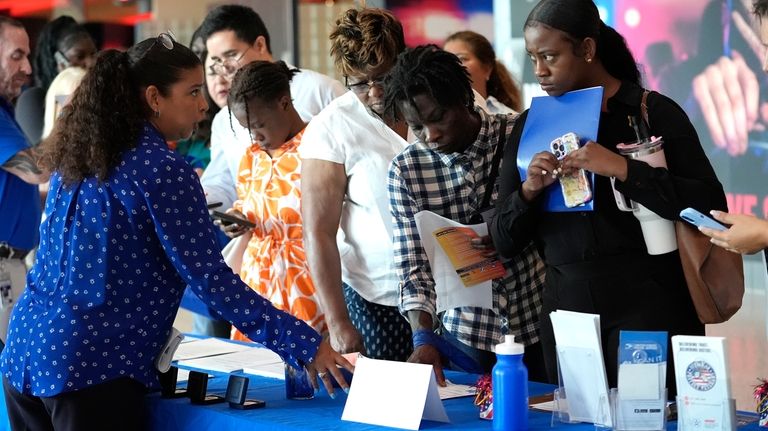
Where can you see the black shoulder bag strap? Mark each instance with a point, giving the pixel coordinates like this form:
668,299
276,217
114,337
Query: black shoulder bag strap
499,152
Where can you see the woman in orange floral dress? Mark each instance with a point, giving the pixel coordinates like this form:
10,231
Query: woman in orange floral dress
274,263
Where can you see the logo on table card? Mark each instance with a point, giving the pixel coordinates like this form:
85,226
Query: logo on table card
701,376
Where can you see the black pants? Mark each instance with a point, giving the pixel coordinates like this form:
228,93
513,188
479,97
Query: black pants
631,297
115,405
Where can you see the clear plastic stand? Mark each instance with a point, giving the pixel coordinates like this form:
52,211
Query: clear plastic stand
563,408
639,414
706,415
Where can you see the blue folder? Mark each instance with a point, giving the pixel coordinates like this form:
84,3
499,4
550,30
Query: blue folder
551,117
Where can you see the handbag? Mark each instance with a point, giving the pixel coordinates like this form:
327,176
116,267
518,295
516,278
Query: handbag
715,276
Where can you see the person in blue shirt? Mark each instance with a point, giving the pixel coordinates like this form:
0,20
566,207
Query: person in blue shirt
126,231
20,173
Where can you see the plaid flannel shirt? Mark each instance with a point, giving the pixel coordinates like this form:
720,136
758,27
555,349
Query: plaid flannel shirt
453,186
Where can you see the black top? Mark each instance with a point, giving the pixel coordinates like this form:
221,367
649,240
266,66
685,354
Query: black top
594,236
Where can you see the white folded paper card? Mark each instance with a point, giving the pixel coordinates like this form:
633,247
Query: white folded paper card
393,394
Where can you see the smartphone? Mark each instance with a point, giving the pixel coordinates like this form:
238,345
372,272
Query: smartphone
700,220
228,219
575,186
213,205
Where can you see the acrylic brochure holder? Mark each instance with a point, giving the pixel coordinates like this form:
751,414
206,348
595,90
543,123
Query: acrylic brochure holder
706,415
579,403
639,414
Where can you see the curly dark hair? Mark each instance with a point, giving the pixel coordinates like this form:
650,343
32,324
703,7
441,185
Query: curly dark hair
364,40
580,19
429,70
264,80
500,84
108,111
58,35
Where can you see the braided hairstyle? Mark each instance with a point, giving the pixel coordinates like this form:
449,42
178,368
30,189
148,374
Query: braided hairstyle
429,70
265,81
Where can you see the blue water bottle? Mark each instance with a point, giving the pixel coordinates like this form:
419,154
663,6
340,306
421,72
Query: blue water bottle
510,387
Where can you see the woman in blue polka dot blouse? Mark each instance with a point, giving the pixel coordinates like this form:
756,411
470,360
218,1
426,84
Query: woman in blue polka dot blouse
127,230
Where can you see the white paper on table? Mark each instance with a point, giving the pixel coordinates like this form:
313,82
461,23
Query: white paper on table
451,292
229,362
641,381
580,358
454,390
546,406
206,347
274,370
394,394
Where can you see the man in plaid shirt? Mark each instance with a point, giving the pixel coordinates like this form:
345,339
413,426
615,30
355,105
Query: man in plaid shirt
447,172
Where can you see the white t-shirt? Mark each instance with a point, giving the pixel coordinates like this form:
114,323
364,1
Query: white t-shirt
311,92
345,133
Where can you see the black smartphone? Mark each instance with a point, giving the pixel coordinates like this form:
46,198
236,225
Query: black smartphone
213,205
228,219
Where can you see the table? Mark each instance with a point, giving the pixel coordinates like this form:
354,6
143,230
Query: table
323,413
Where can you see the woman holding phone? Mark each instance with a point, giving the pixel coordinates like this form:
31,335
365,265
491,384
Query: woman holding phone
597,260
269,197
127,231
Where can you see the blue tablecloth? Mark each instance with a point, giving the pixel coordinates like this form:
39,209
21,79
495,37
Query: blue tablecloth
321,413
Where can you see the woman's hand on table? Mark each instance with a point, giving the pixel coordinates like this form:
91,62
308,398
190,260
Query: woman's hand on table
324,368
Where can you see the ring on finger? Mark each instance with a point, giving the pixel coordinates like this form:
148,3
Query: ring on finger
321,374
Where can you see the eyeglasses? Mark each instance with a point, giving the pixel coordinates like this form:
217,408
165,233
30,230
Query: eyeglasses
166,39
363,87
227,67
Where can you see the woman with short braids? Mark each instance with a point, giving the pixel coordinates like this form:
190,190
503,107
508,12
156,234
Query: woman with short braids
274,264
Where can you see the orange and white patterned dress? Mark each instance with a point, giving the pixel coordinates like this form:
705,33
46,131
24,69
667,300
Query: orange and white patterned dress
274,263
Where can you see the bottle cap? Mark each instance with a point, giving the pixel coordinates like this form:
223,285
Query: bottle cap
509,347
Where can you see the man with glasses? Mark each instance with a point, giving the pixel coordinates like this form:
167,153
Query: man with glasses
19,176
235,36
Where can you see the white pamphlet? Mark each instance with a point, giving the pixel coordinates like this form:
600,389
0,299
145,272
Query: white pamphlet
206,347
236,361
582,369
703,384
451,292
